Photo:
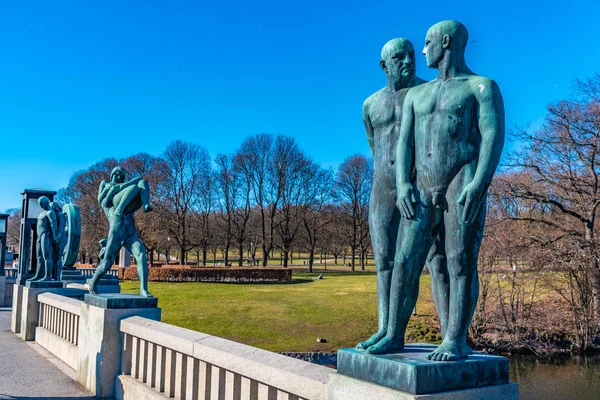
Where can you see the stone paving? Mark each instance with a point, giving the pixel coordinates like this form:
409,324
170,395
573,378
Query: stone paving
27,374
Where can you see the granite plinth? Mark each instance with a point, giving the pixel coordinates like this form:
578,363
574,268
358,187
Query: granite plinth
43,284
342,387
120,301
106,280
409,370
71,275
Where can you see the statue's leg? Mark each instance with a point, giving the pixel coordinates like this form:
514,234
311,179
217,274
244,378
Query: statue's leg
135,246
440,280
59,262
46,244
124,198
113,246
462,248
417,236
384,221
39,271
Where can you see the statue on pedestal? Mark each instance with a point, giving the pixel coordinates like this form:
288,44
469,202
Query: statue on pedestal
450,141
120,200
58,232
382,113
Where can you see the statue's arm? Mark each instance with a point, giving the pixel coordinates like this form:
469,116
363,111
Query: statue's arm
405,151
132,182
490,119
368,126
103,191
53,224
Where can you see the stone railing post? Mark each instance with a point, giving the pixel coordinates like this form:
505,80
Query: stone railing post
100,340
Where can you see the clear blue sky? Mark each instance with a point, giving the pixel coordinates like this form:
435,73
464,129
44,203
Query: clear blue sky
83,80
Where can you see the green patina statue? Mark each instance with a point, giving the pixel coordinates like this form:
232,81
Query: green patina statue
382,113
58,233
452,134
120,200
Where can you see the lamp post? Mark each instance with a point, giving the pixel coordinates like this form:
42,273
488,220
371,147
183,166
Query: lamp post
3,229
29,214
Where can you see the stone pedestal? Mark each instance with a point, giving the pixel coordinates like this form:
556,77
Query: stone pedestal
112,287
342,387
107,284
410,372
30,307
100,341
17,303
2,289
71,274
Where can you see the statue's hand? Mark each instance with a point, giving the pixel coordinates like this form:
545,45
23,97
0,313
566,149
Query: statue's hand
471,198
405,200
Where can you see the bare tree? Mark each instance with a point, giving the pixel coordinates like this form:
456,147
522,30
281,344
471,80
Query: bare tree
189,171
227,186
556,176
13,227
291,176
254,158
316,212
352,190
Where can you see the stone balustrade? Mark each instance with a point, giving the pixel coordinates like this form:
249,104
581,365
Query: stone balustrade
58,326
89,272
11,272
185,364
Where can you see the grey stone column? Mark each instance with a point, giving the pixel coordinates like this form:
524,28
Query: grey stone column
100,339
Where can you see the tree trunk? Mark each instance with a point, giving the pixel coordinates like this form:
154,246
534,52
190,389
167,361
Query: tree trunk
285,258
264,260
311,257
241,255
182,254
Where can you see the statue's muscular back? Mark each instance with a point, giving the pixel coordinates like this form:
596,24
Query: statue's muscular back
446,132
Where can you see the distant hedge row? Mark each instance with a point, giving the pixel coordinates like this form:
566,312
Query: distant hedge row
212,274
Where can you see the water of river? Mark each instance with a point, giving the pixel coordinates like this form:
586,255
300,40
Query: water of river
568,377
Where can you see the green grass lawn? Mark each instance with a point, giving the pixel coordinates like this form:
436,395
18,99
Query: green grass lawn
342,308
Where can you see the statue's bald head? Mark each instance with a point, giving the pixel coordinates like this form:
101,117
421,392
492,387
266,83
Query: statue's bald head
393,46
456,32
398,61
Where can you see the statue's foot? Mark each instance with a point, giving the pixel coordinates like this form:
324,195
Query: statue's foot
147,208
145,293
372,340
388,343
92,289
449,350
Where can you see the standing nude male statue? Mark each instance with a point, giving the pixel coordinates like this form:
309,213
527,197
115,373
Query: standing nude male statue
452,131
120,200
382,112
47,235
